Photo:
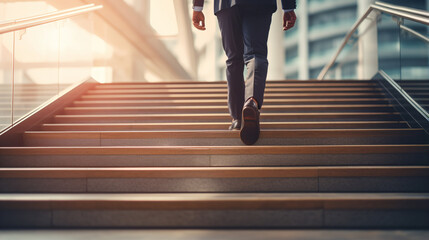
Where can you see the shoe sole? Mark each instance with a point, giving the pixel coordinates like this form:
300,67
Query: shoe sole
249,133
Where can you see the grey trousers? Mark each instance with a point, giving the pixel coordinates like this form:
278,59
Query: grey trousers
244,30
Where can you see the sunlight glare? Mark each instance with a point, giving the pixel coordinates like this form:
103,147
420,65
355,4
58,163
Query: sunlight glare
163,17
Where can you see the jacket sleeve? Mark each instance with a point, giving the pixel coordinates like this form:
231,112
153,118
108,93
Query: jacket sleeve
287,4
198,3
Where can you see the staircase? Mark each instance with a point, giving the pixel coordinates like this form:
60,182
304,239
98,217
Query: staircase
332,154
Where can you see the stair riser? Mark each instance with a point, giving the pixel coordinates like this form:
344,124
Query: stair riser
53,141
224,103
215,185
71,111
128,127
214,160
299,118
275,218
224,86
224,96
224,91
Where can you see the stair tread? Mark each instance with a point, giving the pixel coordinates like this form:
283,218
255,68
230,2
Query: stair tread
225,107
223,83
225,133
217,201
198,117
221,150
218,125
220,114
224,90
217,172
204,101
268,95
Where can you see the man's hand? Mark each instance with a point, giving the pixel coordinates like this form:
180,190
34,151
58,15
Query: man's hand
198,20
289,19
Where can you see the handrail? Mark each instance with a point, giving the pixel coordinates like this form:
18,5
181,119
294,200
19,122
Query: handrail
404,9
415,33
48,19
14,21
396,12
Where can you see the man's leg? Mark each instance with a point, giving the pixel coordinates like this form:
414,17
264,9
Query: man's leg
256,26
230,24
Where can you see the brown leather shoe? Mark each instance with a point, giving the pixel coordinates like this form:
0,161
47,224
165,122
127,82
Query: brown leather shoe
235,125
250,129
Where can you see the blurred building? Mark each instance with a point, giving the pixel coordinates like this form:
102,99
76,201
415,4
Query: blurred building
321,26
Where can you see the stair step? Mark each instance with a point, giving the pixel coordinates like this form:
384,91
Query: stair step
218,126
257,210
224,96
219,117
224,109
290,81
213,138
215,179
211,102
269,85
224,90
148,156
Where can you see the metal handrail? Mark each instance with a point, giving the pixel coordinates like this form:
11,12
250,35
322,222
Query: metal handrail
407,14
415,33
53,17
404,9
14,21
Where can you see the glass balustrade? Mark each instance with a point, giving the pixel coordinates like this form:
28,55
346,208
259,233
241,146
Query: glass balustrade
38,63
394,45
404,56
6,79
389,46
36,67
414,58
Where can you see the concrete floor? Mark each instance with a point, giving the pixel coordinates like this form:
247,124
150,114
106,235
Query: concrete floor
212,234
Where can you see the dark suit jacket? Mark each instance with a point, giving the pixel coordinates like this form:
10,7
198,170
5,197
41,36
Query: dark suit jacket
222,4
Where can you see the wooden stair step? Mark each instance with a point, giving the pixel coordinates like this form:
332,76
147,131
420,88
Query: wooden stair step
211,102
220,150
203,156
117,118
224,85
220,210
216,179
218,126
224,90
202,138
224,109
224,96
277,81
222,201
